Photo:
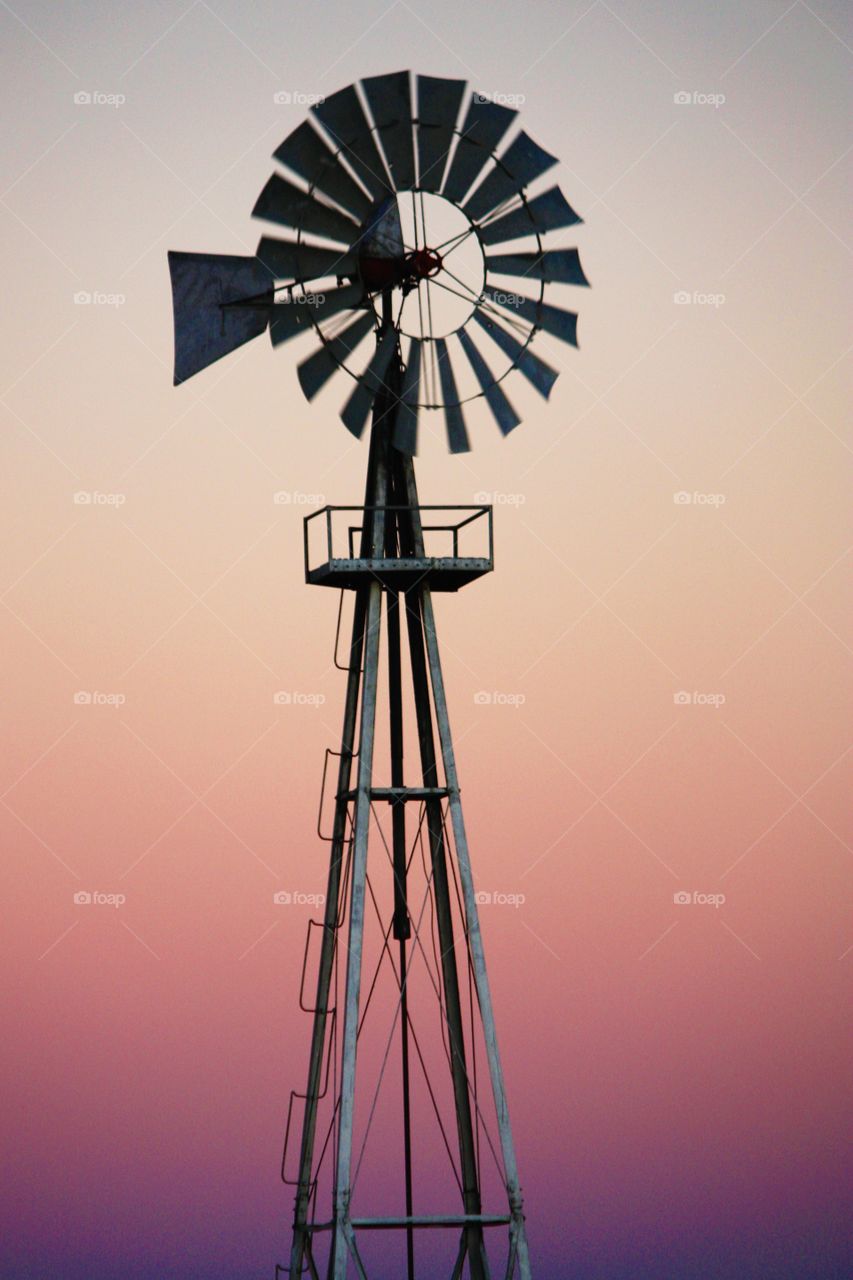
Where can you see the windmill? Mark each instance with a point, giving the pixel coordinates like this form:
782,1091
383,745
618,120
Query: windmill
387,184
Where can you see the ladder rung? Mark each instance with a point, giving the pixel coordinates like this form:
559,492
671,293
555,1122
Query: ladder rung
433,1220
394,795
437,1220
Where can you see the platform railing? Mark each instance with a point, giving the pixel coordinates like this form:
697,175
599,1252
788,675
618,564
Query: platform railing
341,543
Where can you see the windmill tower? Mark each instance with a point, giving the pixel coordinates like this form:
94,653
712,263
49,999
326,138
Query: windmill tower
391,180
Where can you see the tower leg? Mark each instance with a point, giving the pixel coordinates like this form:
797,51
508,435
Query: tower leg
475,939
401,924
327,950
375,531
478,1262
301,1241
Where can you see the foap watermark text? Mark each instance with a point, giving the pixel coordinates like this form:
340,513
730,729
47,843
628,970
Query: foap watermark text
497,898
499,698
696,899
684,698
683,298
83,898
683,498
695,98
97,698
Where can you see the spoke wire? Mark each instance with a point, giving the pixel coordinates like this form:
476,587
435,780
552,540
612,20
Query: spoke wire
488,307
480,1116
396,1014
334,1124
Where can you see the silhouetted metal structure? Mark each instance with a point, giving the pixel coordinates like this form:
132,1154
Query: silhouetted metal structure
346,276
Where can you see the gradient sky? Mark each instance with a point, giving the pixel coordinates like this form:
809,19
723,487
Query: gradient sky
678,1074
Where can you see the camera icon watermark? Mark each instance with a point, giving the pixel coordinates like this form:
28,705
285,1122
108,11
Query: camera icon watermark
696,699
96,698
296,98
505,299
682,498
83,898
95,98
683,298
498,898
694,98
296,898
94,498
302,299
505,99
498,698
293,698
296,498
697,899
98,298
496,499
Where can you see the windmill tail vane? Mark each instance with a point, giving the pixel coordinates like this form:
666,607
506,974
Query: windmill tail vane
409,229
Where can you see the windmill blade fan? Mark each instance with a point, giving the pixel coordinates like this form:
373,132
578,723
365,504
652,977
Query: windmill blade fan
356,409
562,324
548,212
291,260
219,301
295,316
457,434
536,371
558,266
496,399
343,118
390,101
366,255
438,108
520,164
405,437
305,152
315,372
485,125
281,201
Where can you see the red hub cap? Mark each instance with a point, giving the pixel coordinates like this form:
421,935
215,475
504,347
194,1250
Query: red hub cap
425,263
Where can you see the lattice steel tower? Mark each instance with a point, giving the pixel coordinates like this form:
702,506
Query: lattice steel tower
390,179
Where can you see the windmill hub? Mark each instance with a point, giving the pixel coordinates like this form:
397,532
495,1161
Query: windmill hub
425,263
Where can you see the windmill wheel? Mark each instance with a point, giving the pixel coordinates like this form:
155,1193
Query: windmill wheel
402,213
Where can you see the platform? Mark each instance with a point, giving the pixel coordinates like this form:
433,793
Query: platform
332,535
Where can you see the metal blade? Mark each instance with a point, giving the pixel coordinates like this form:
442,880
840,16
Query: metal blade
405,436
390,99
356,409
288,260
560,266
562,324
543,213
205,329
521,163
505,415
485,125
281,201
316,371
457,435
291,318
438,109
343,118
536,371
305,152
